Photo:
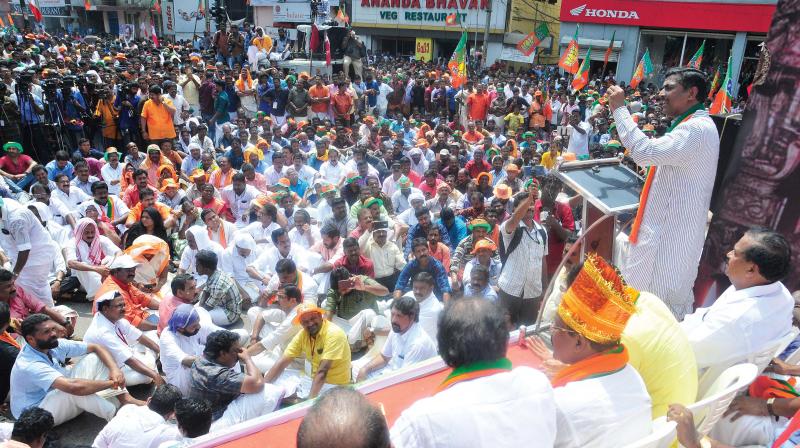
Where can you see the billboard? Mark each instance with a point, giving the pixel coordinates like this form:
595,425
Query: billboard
428,14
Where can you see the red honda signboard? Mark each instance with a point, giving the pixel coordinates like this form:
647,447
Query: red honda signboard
670,14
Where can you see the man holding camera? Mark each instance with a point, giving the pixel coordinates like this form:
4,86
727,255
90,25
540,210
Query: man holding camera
30,108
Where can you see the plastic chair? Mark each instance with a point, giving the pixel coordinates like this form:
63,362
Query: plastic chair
708,410
663,434
760,359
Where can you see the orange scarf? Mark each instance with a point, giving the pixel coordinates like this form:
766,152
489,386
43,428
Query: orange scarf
651,175
8,339
601,364
219,181
222,240
244,84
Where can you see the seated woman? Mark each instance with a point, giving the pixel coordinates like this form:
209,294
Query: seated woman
152,254
84,255
235,261
220,231
150,223
196,240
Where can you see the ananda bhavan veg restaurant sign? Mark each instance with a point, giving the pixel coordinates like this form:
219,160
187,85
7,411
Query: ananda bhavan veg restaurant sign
427,14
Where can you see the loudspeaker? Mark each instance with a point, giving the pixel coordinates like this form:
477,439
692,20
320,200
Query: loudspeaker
728,128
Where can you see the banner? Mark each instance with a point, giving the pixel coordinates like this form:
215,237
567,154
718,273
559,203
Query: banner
423,49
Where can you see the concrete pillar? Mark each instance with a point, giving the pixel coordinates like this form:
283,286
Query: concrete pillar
737,57
106,25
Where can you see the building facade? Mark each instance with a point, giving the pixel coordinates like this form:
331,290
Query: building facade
672,31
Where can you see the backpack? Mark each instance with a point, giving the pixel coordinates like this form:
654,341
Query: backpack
515,240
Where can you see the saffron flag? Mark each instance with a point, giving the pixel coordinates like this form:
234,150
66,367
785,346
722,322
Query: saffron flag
155,4
34,7
722,102
643,70
529,43
582,77
201,7
452,20
341,15
87,5
697,59
2,24
569,60
458,62
327,50
608,50
714,84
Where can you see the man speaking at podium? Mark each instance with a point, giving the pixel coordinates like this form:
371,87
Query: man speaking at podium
667,236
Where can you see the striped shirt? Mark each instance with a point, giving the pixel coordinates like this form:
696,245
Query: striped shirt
522,273
665,259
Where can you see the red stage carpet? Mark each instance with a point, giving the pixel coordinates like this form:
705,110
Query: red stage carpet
394,400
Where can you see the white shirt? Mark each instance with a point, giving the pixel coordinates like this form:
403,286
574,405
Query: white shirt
59,210
181,105
136,427
116,337
408,348
301,239
25,232
739,324
579,143
71,200
283,333
271,176
429,310
236,265
605,412
506,409
265,264
239,203
522,276
175,347
110,173
261,233
671,237
400,201
332,174
73,250
85,187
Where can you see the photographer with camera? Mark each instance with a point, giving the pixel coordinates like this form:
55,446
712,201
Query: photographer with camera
31,110
73,109
354,50
127,105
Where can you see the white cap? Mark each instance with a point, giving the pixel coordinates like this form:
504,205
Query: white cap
122,261
109,296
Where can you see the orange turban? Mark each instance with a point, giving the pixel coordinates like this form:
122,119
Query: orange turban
599,303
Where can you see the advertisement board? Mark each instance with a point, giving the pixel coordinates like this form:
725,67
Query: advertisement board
424,49
292,12
750,17
428,14
185,17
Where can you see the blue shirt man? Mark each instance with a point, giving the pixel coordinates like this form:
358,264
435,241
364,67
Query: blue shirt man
73,107
441,286
27,111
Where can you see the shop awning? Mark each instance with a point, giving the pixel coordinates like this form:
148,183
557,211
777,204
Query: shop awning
599,47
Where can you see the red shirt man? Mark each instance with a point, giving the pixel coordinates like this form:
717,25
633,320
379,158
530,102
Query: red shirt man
478,104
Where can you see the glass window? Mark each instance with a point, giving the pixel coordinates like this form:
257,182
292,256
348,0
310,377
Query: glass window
675,49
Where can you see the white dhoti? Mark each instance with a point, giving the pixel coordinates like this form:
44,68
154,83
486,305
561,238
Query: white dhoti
748,430
355,326
90,281
272,319
249,406
34,280
97,370
250,287
295,381
65,407
220,318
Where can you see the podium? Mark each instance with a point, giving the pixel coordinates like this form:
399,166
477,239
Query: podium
609,192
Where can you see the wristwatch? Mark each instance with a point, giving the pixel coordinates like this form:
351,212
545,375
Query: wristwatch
770,410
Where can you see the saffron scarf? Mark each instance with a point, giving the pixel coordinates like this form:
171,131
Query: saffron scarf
601,364
476,370
651,174
222,240
8,339
219,182
244,84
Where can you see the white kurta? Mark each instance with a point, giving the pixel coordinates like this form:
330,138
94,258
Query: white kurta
605,412
121,338
136,427
90,280
507,409
739,324
429,310
664,260
408,348
174,348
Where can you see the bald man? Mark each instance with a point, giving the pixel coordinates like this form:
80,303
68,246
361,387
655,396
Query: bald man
343,418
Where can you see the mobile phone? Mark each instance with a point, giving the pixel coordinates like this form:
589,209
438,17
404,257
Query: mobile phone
346,284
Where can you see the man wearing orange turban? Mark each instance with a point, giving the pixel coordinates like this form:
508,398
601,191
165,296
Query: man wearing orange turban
601,400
